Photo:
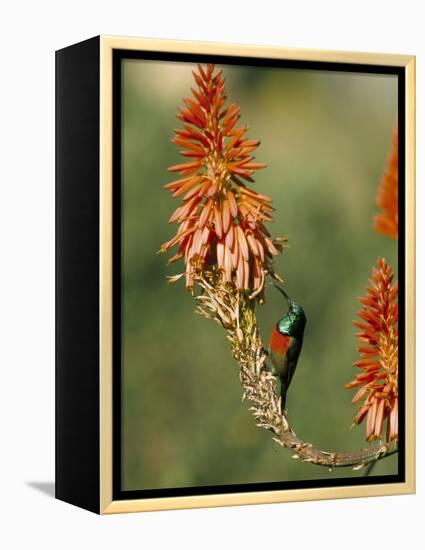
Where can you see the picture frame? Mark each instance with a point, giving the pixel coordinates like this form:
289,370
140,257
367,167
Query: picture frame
90,158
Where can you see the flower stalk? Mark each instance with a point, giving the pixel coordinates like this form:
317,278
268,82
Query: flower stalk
221,220
386,221
378,337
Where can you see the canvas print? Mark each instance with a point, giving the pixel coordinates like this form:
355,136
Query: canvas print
259,261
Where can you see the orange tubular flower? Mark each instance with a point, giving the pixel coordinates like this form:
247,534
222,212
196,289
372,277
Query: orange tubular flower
386,222
379,351
221,220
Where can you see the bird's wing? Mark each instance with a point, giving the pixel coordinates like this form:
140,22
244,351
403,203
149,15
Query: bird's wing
280,363
293,355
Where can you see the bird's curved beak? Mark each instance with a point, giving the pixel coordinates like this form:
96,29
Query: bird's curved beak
284,293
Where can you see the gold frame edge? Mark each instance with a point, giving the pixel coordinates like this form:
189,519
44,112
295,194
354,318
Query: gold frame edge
105,276
107,504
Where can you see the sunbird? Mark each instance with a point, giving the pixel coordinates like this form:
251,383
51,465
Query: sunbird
285,345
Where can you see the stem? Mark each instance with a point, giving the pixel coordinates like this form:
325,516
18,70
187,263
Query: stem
372,464
234,311
369,469
357,460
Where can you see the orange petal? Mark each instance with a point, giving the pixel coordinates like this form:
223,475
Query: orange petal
255,165
195,109
202,73
242,242
394,419
228,264
360,415
199,82
201,98
213,189
226,216
271,247
175,258
260,250
230,237
220,255
252,241
245,274
360,393
205,213
173,278
257,274
250,143
188,249
205,235
185,166
240,275
218,224
192,192
371,419
173,185
237,134
253,194
235,254
189,276
182,189
196,242
367,363
232,203
379,418
188,144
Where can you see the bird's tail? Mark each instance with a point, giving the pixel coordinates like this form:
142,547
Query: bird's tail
283,390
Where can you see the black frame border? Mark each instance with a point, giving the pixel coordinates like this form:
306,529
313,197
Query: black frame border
118,56
77,156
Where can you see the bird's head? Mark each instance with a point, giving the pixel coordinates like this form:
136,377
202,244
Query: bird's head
294,320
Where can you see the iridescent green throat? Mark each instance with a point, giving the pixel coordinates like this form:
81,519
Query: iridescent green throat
293,322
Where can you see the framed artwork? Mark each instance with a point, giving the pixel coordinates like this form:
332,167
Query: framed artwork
234,274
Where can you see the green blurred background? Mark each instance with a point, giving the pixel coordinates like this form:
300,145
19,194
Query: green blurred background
325,137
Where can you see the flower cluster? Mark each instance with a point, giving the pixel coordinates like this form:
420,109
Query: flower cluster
378,381
221,220
386,222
